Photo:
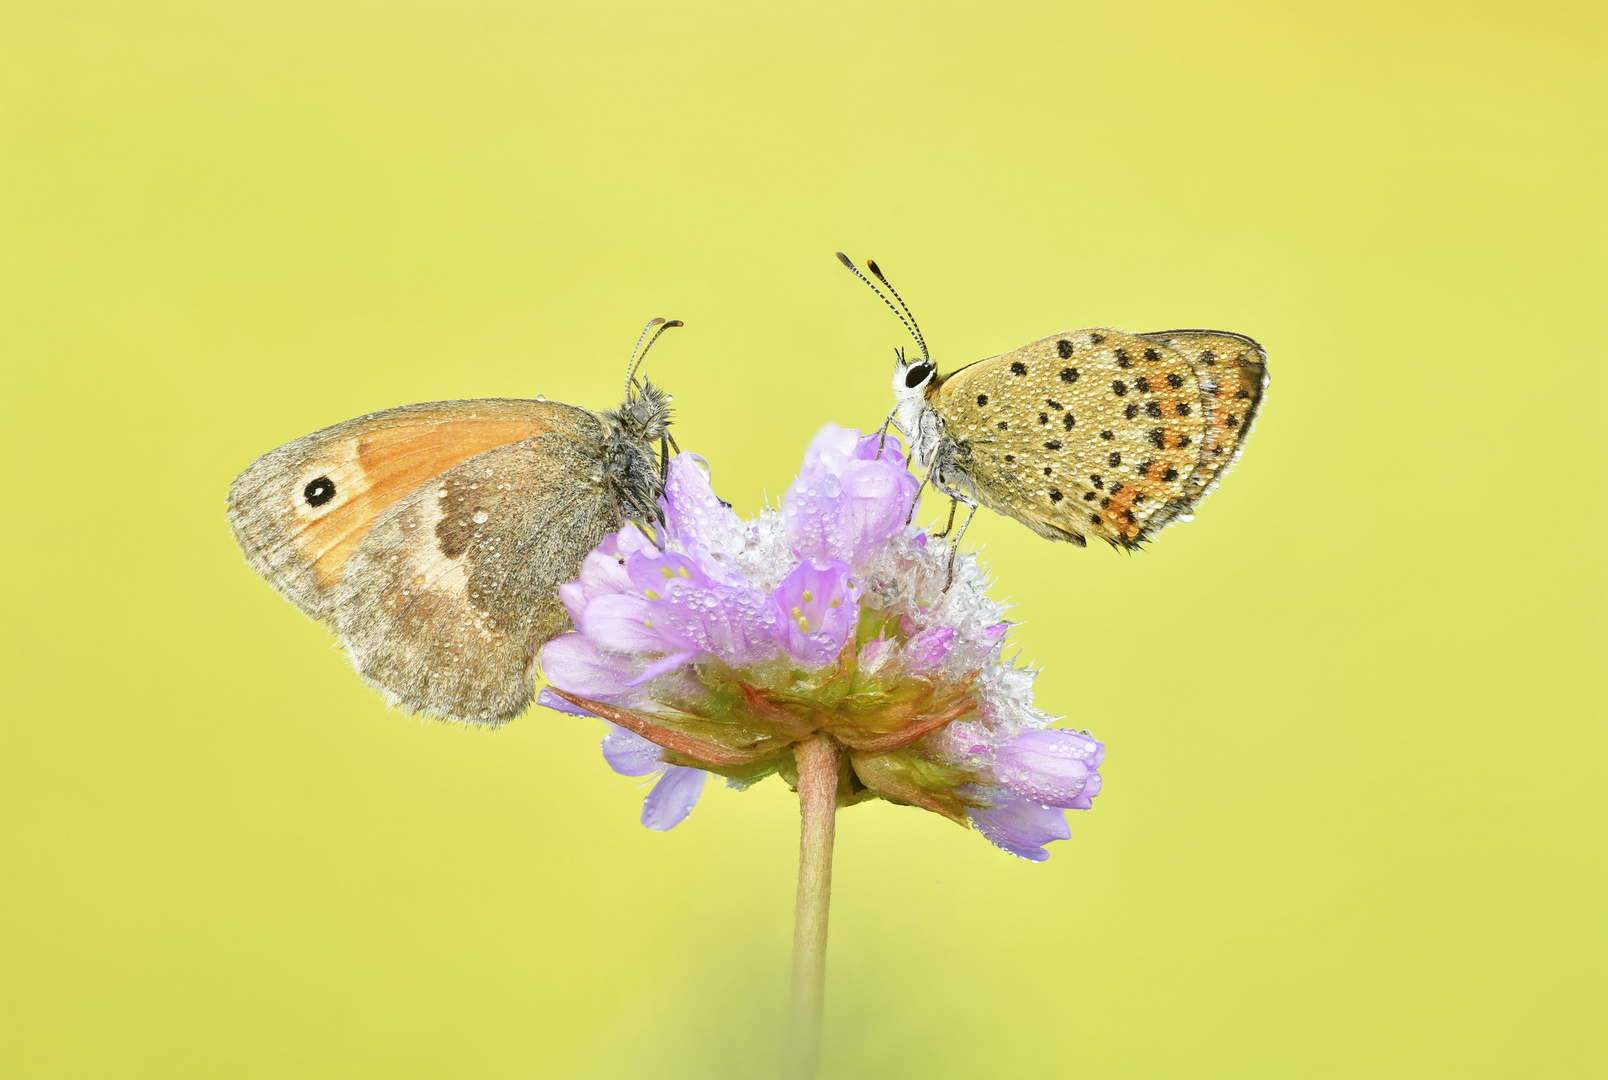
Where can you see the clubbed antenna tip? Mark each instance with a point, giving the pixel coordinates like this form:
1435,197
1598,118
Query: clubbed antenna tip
903,312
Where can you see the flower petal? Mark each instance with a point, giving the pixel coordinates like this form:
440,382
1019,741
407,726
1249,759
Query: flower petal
629,754
819,605
1053,767
1020,826
624,623
693,512
548,699
574,663
739,624
664,664
673,797
846,501
927,649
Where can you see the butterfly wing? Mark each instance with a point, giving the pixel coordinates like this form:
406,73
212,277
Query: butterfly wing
349,525
1232,370
1095,432
446,601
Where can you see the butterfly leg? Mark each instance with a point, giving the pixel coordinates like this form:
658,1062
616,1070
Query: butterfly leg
953,502
916,504
883,431
954,549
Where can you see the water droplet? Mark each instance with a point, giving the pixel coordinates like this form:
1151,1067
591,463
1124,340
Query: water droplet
480,516
541,397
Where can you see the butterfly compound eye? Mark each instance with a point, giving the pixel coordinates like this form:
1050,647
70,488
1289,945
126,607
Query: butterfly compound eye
320,491
917,375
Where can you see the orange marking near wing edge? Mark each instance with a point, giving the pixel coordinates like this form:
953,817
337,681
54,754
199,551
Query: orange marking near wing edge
396,461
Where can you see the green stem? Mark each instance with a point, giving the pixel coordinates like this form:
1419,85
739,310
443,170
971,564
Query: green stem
818,757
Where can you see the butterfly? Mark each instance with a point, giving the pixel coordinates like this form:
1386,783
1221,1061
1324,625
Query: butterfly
433,538
1094,432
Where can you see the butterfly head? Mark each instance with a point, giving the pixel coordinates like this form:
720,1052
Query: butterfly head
912,379
645,415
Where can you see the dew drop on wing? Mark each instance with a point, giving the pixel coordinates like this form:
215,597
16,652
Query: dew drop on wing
480,516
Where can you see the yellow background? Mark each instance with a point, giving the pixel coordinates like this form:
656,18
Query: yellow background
1353,821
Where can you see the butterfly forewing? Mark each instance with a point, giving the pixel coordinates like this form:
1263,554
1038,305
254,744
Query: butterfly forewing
299,511
445,602
1094,432
433,539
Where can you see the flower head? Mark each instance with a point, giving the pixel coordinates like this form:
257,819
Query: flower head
724,649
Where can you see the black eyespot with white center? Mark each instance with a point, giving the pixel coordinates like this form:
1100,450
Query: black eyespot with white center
1175,380
1123,359
1142,384
1118,387
1114,460
320,491
1018,368
1069,374
1064,347
982,399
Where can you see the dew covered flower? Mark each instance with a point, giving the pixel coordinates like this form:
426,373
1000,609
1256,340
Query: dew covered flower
725,650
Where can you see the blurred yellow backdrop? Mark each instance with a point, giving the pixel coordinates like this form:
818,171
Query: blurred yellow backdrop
1370,845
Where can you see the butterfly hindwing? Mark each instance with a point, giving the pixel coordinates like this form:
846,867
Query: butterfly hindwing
1232,370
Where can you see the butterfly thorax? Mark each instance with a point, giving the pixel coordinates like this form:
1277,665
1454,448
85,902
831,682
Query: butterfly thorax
629,461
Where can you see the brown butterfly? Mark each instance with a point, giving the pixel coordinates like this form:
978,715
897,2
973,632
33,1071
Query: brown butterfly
1093,432
433,538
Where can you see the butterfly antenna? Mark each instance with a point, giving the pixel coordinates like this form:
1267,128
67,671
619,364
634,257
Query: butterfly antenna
877,270
908,325
630,365
636,360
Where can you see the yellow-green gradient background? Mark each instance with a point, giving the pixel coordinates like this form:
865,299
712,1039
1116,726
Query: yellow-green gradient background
1353,820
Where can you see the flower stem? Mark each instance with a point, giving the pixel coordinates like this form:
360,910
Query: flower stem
818,757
